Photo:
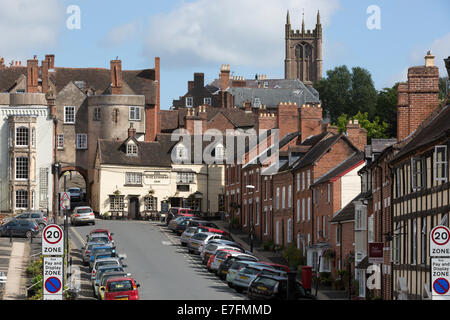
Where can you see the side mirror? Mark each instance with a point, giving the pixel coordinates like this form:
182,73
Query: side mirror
124,265
138,285
111,234
102,288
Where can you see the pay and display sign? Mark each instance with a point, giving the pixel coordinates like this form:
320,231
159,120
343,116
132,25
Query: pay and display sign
53,278
440,278
53,241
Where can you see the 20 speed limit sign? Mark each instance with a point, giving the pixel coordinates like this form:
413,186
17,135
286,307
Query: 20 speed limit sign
53,241
440,242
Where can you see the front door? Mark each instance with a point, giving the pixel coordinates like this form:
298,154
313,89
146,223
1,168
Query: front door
133,209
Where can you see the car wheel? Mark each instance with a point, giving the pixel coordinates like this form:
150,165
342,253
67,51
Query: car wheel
190,251
28,234
93,223
230,284
238,290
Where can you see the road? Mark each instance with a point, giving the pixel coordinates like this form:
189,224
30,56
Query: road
163,268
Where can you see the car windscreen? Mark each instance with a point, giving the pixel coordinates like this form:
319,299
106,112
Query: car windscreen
108,269
265,282
35,216
211,247
106,263
200,236
190,230
93,245
250,271
84,210
222,254
100,239
107,276
124,285
237,265
271,272
73,190
173,211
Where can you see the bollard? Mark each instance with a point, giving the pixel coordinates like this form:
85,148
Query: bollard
10,236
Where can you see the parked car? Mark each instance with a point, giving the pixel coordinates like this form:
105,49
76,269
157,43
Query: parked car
121,289
76,194
105,250
246,275
225,266
82,215
197,241
212,248
105,261
19,228
182,212
266,287
187,234
101,231
234,268
38,216
173,225
88,249
276,266
100,271
222,255
201,223
104,279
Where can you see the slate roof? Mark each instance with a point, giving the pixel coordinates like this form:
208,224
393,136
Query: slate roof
351,162
136,82
318,149
438,127
150,154
348,212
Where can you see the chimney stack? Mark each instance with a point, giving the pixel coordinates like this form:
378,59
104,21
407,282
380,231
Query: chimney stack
116,77
32,76
45,82
51,61
356,134
224,77
131,131
417,98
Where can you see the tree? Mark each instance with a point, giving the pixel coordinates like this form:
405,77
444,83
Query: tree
376,129
386,109
443,88
347,92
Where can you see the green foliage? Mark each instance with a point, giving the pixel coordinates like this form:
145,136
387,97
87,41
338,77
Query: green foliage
375,129
269,245
326,278
34,270
235,223
442,88
292,256
350,93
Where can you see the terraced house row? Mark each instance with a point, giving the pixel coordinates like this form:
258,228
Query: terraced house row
336,198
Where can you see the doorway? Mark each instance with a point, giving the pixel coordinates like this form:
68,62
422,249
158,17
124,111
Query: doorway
133,209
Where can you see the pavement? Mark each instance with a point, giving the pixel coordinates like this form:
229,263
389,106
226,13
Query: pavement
16,256
242,238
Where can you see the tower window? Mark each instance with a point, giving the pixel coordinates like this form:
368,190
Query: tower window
69,115
22,171
97,114
22,137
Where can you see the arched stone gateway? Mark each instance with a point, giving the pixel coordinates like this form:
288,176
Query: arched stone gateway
79,179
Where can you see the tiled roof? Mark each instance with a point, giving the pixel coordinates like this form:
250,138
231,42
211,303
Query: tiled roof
349,163
438,127
317,150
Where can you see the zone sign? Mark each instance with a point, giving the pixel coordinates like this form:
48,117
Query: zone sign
53,241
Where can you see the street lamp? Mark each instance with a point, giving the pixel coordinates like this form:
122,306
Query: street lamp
251,231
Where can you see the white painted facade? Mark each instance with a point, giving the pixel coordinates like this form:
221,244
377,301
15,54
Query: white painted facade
40,181
350,186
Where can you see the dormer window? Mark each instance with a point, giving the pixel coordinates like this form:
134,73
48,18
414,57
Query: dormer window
189,102
132,149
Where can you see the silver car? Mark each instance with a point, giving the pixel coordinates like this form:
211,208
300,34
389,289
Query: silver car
213,248
247,274
221,256
197,241
187,234
114,261
234,268
82,215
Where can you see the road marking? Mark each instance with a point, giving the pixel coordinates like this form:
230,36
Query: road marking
166,243
75,232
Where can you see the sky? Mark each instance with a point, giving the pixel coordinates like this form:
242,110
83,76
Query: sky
386,37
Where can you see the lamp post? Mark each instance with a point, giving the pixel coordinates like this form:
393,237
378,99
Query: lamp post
251,231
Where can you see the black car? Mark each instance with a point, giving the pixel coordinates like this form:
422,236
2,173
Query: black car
268,287
19,228
38,216
224,266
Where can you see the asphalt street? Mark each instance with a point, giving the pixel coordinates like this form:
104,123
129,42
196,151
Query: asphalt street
155,258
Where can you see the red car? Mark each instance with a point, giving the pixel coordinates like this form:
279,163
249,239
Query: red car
276,266
213,230
124,288
105,231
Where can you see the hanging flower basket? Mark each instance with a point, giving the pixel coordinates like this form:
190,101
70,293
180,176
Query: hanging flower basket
116,193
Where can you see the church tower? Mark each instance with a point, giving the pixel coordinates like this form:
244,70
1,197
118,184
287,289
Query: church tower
303,52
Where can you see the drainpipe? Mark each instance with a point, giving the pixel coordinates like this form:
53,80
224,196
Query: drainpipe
381,218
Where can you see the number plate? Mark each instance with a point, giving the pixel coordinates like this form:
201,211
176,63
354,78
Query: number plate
125,298
243,277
